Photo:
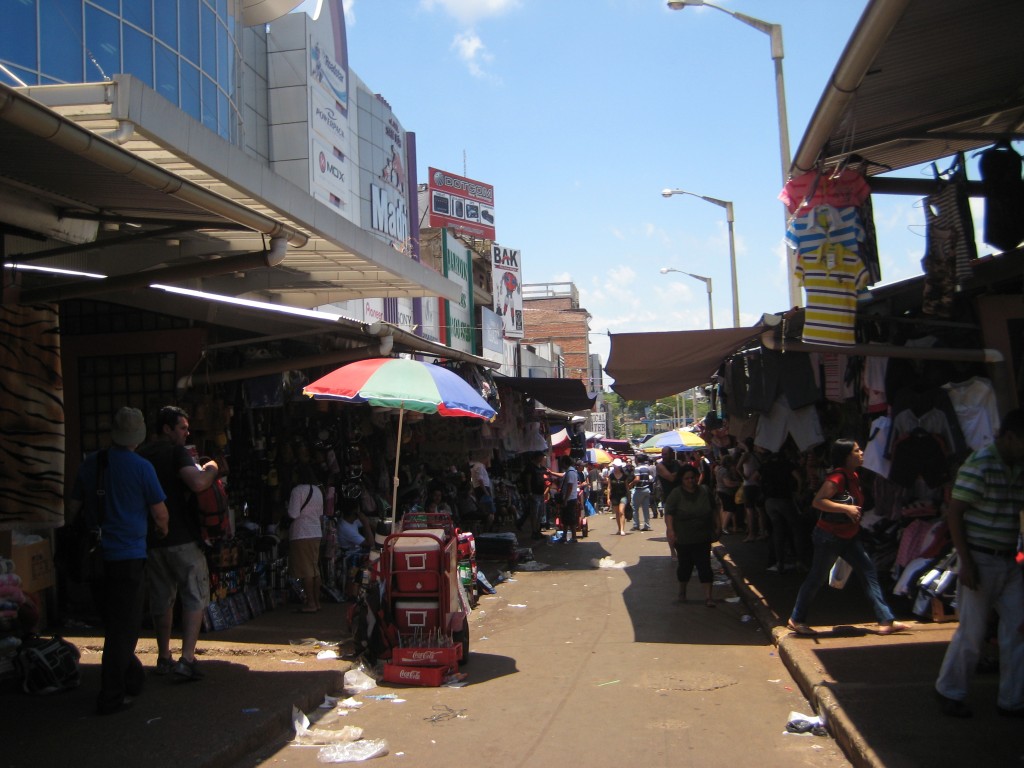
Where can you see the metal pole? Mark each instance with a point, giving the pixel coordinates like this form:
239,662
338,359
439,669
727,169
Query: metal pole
711,312
730,220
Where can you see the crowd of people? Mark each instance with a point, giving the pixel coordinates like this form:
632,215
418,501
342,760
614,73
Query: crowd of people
805,515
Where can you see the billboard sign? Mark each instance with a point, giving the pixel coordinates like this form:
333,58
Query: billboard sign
506,277
459,203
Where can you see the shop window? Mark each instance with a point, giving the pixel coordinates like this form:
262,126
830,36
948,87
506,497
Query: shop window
142,381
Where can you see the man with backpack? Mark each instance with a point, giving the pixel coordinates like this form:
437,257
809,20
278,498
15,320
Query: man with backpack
120,491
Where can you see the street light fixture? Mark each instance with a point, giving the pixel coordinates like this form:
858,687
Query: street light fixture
730,220
706,281
774,32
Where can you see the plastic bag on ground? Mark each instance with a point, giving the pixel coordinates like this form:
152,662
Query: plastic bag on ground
354,751
358,681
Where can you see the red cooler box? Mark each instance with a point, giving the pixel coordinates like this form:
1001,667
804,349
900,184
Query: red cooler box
411,615
417,581
418,553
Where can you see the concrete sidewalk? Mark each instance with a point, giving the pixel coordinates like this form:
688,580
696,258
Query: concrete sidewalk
876,692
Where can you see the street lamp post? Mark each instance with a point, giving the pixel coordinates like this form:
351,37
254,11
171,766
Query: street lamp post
707,283
730,220
774,32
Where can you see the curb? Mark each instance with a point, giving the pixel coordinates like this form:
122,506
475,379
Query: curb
803,668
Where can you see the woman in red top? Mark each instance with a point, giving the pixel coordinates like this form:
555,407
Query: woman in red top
837,534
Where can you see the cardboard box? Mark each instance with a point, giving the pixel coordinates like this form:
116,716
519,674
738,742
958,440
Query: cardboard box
34,563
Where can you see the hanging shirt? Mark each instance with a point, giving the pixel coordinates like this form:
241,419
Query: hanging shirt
844,189
831,279
974,402
823,224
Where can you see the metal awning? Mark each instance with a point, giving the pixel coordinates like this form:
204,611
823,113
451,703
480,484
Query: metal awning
163,193
920,80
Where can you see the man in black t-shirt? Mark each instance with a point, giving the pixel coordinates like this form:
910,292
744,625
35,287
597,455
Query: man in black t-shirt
176,564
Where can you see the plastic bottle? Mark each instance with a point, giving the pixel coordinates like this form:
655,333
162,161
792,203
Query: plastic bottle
353,751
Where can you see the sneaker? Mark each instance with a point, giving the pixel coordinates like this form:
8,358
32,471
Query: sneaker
188,670
646,528
163,666
635,528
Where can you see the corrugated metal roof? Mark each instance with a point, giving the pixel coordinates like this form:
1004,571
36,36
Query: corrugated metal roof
929,78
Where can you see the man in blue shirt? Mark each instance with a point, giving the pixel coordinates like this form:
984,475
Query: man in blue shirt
131,493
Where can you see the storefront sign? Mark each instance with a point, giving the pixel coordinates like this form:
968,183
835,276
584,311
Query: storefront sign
458,316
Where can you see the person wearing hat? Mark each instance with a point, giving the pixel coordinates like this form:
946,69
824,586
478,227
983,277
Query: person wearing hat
131,494
177,563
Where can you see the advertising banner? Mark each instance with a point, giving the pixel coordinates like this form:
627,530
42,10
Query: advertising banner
491,335
459,203
458,316
506,274
332,176
383,170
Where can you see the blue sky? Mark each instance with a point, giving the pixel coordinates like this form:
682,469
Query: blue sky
580,112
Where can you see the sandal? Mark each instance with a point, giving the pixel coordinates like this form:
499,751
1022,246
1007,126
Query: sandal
800,628
892,629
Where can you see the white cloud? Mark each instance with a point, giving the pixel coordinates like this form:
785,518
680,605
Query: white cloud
471,49
470,11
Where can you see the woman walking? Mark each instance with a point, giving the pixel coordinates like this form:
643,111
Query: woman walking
837,534
692,520
305,508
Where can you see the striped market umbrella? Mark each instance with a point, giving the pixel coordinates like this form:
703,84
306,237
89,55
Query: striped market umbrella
408,385
677,439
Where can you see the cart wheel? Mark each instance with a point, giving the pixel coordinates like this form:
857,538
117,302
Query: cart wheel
463,637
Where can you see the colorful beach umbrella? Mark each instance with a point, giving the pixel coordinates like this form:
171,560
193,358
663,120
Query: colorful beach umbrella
677,439
408,385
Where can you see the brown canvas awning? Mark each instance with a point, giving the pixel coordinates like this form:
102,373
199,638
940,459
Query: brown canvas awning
561,394
647,366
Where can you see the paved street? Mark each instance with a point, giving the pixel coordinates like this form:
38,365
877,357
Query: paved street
599,667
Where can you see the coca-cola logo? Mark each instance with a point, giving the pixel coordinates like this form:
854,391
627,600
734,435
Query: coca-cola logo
424,655
409,674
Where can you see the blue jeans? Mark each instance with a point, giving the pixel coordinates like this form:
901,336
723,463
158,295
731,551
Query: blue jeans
641,501
827,547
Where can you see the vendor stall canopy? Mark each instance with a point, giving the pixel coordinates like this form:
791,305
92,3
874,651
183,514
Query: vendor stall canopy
920,80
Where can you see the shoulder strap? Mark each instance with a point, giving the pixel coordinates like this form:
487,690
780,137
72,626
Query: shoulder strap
308,497
102,459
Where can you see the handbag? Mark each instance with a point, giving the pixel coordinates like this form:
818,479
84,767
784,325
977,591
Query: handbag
739,498
629,514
